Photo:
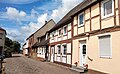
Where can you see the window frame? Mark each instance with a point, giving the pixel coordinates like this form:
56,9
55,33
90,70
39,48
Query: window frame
1,35
53,35
58,49
101,56
63,49
64,30
102,9
59,31
80,25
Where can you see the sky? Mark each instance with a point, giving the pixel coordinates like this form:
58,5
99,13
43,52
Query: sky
21,18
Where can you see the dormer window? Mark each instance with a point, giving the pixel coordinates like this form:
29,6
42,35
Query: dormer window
80,19
107,8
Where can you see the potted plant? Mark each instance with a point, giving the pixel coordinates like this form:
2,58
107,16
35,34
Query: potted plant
76,63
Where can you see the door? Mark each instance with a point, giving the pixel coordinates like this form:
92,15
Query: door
52,54
83,53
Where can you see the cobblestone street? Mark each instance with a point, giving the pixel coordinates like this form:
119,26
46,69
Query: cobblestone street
19,64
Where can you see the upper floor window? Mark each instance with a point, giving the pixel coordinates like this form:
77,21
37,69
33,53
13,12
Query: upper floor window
38,39
1,35
60,32
80,20
53,35
107,8
65,30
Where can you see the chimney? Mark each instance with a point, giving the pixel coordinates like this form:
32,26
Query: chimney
45,22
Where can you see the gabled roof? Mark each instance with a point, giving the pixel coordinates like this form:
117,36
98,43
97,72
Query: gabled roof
83,5
46,27
65,20
30,36
68,17
43,42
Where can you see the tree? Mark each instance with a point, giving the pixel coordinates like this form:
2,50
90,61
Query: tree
12,46
16,46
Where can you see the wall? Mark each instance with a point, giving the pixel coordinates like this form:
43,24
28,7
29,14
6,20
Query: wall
62,37
93,19
43,30
2,41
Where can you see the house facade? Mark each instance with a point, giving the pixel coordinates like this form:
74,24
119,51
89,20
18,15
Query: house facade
60,50
87,36
30,44
2,40
25,48
96,35
40,45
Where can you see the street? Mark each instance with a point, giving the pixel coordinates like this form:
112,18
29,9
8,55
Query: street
19,64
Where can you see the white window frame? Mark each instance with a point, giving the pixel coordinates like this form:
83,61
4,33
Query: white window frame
102,9
80,25
109,57
53,35
60,49
63,49
66,30
58,32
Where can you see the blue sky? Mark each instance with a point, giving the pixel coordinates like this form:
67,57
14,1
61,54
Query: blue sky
21,18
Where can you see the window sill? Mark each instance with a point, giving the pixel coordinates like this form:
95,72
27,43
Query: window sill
59,36
107,16
52,38
64,56
80,26
64,33
105,57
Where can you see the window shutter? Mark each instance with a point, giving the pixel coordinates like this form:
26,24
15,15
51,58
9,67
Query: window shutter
105,46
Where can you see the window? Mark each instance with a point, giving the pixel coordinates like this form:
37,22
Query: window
84,49
53,35
105,46
59,48
60,32
55,32
38,39
107,8
64,49
65,30
80,19
1,35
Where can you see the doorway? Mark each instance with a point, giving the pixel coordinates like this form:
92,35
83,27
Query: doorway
83,53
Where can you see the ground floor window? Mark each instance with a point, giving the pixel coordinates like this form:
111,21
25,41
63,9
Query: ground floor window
64,49
105,46
59,49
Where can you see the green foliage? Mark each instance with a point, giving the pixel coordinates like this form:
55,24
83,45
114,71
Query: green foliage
12,46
